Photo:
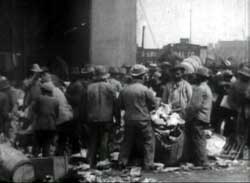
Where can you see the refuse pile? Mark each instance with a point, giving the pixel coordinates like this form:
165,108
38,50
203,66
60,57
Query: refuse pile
83,173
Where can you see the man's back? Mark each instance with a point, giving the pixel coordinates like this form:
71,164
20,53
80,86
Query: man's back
137,101
47,110
100,101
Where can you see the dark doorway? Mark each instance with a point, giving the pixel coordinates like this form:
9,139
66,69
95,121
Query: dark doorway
52,33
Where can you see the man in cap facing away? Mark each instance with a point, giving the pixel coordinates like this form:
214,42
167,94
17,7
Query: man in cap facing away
101,100
137,101
198,115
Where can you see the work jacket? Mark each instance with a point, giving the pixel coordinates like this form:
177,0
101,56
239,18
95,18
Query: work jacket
178,94
201,103
47,111
101,101
137,100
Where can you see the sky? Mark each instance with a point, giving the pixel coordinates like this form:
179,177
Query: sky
167,21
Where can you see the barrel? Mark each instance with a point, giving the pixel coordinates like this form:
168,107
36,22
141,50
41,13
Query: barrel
14,165
170,154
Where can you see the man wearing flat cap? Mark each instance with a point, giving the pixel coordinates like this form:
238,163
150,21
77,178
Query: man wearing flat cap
137,101
198,115
101,101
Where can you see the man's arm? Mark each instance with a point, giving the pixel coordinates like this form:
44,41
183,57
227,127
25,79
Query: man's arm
165,94
189,91
151,100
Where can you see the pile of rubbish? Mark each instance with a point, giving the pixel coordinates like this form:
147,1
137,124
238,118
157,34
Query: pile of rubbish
83,173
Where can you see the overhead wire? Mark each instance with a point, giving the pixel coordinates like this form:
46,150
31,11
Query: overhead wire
148,23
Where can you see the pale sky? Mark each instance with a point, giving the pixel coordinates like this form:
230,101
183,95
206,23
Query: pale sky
212,20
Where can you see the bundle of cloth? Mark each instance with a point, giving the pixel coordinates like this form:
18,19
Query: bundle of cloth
166,124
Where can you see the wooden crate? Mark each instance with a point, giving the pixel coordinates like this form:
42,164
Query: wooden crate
57,167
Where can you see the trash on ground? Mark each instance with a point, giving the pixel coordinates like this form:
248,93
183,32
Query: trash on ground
215,145
135,172
105,164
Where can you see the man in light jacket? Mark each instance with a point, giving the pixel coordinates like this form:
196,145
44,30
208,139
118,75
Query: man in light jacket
198,115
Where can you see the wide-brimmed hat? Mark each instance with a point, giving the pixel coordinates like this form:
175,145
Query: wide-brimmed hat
36,68
4,84
245,71
101,72
138,70
203,71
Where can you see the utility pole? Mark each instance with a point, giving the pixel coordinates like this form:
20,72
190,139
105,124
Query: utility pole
143,36
142,43
190,25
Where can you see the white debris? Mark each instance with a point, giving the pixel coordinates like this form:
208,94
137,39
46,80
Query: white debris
215,144
135,172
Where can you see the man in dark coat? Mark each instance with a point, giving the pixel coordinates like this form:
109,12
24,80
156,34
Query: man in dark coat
77,98
46,108
101,99
137,101
5,106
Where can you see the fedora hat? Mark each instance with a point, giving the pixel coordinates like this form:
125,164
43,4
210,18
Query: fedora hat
138,70
245,71
101,72
36,68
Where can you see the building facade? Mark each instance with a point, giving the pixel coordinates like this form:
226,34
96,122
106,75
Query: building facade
147,55
65,35
185,49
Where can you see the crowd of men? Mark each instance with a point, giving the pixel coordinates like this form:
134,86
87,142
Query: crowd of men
87,112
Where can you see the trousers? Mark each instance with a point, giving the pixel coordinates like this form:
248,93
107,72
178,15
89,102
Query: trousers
133,131
44,140
197,142
68,138
98,142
